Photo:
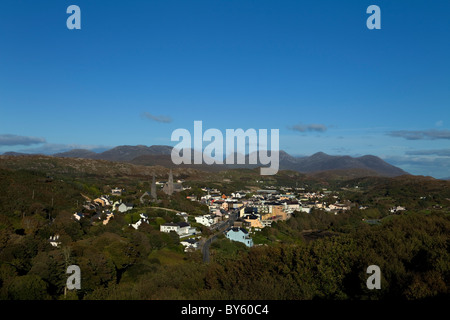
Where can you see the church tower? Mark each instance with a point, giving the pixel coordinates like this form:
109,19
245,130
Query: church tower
153,189
168,187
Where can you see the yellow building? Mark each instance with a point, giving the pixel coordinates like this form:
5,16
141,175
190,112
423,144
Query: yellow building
254,221
100,201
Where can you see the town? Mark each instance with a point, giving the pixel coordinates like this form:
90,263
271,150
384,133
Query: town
238,215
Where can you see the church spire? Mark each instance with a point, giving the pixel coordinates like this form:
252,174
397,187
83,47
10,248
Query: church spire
153,189
170,186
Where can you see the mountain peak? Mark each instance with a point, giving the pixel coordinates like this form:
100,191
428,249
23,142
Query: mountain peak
320,154
76,153
318,162
321,161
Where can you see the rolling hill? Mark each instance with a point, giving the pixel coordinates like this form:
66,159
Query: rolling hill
160,155
324,162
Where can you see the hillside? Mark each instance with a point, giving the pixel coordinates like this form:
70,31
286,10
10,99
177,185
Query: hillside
23,193
322,162
160,155
39,194
322,165
128,153
86,167
76,153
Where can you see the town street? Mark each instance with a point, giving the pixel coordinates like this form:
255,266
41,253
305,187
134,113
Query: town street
220,227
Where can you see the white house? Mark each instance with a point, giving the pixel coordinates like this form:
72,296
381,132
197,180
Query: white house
337,206
78,215
184,215
106,199
143,219
190,244
183,229
207,220
305,209
54,241
238,195
116,192
124,207
398,208
292,206
115,205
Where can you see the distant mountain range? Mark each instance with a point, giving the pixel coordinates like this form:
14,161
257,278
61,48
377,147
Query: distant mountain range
160,155
324,162
11,153
120,153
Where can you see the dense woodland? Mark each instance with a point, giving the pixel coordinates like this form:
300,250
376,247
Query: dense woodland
289,262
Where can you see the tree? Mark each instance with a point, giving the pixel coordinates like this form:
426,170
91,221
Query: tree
28,287
50,267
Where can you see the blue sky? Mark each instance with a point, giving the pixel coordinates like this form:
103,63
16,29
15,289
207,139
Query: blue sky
137,70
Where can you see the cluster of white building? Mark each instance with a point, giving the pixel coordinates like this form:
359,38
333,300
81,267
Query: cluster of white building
254,211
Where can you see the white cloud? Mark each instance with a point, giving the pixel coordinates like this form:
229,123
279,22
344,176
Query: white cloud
420,134
162,119
15,140
309,127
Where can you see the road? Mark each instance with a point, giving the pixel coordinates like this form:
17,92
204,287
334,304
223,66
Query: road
221,227
205,249
167,209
